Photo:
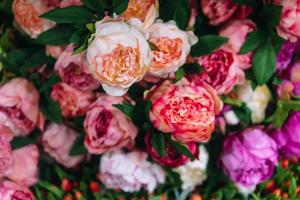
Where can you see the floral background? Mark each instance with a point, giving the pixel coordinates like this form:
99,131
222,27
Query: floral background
149,99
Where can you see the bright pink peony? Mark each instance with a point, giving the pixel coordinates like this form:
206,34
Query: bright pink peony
185,110
57,141
26,15
25,167
106,127
63,3
11,191
289,26
249,158
219,11
19,106
173,158
236,31
73,70
72,102
6,159
130,172
221,71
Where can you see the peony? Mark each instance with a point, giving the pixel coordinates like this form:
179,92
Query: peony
57,142
26,15
256,100
185,110
219,11
73,70
63,3
72,102
249,158
236,31
173,46
285,55
130,171
11,191
19,106
6,159
145,10
106,127
25,168
221,71
288,137
119,55
193,173
289,27
172,158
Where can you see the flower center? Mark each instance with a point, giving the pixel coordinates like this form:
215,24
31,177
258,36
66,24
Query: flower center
168,50
102,122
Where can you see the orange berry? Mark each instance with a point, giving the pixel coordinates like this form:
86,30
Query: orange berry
68,197
78,195
285,195
270,185
298,190
277,192
285,163
196,197
287,184
66,185
121,198
163,197
94,186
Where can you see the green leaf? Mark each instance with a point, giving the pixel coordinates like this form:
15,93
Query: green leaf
279,116
253,41
51,110
232,102
182,13
19,142
95,5
59,35
207,44
71,14
181,148
36,60
152,46
91,27
78,147
79,36
272,14
179,74
292,188
192,68
158,142
51,188
264,62
126,108
255,197
46,86
84,46
120,6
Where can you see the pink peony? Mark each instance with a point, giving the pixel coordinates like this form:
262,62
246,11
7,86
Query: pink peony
19,106
6,159
106,127
221,71
72,102
73,70
236,31
26,15
11,191
289,26
54,51
130,172
25,168
58,141
184,109
63,3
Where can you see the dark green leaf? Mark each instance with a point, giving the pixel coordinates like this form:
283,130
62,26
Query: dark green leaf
36,60
264,62
71,14
152,46
51,110
279,116
79,36
120,6
207,44
16,58
182,13
179,74
51,188
126,108
84,46
59,35
181,148
272,14
192,68
253,41
158,142
78,147
19,142
95,5
5,5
